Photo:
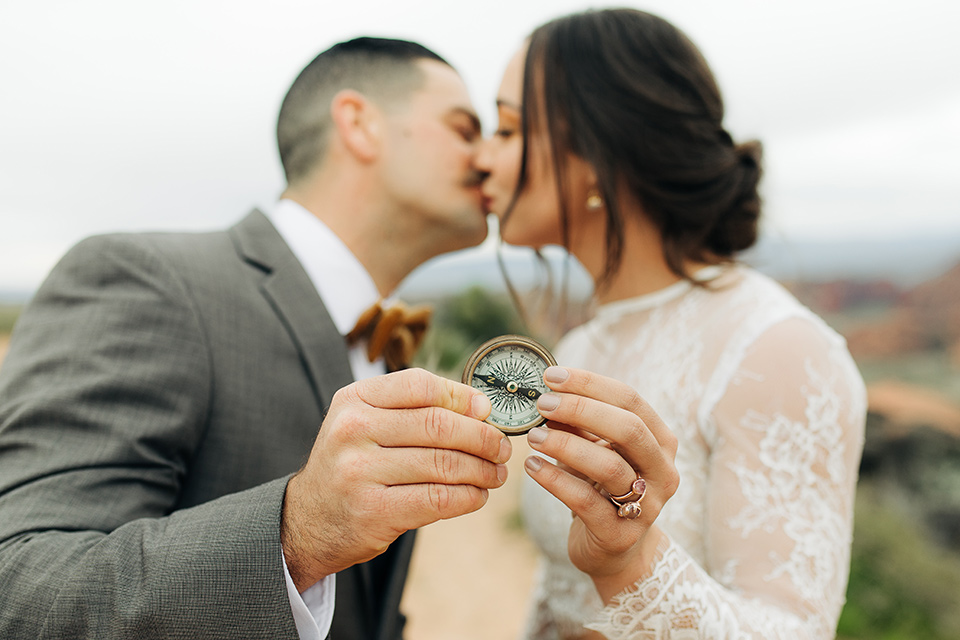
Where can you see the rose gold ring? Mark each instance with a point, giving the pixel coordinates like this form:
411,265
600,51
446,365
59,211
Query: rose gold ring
628,505
629,510
637,490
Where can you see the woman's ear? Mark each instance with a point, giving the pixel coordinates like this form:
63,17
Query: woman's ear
584,184
357,123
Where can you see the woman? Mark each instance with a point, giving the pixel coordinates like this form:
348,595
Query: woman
611,143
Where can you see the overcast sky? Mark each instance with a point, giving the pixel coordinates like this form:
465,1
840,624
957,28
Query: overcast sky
120,115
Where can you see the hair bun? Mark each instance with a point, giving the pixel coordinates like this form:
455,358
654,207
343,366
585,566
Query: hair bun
750,153
737,227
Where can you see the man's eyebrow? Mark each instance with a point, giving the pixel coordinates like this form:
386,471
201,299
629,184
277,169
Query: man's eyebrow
469,114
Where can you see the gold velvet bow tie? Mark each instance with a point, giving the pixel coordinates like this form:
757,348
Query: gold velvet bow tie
395,332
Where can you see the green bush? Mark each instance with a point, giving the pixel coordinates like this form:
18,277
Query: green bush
463,323
479,315
901,584
8,317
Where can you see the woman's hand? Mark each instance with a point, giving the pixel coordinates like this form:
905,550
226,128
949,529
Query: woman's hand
604,436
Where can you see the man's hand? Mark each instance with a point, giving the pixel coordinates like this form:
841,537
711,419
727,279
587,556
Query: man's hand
394,453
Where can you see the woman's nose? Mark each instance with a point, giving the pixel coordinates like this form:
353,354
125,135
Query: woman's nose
484,155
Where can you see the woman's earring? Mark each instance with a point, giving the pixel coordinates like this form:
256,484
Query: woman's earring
594,201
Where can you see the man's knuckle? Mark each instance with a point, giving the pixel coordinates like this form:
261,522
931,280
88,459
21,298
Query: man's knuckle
352,467
490,442
420,385
448,396
356,392
351,422
446,465
438,424
440,498
343,395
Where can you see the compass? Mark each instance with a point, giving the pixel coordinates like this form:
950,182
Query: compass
509,370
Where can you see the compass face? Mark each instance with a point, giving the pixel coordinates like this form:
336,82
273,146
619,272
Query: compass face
509,370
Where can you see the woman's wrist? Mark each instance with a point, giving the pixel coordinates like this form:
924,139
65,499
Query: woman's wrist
639,567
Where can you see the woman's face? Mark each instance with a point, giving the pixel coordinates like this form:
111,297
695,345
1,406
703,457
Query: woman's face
535,219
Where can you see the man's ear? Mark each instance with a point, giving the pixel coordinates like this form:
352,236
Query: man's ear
358,124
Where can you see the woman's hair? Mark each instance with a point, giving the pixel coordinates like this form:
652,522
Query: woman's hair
629,93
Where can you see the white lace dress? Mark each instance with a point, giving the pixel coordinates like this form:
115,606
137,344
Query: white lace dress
769,409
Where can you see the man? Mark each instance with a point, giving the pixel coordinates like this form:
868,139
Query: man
160,388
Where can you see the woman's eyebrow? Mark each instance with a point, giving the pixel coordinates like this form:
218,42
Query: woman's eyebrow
508,104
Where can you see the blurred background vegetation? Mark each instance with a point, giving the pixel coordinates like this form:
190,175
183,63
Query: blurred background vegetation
8,316
905,571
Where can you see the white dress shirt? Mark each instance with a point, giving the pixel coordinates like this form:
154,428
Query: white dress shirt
347,290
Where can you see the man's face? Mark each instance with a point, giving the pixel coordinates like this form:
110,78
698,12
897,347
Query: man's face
431,141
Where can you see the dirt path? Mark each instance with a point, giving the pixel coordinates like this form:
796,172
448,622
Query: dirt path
471,576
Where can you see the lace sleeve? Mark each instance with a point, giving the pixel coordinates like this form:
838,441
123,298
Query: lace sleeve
782,473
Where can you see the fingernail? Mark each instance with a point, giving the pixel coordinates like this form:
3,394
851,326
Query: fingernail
536,436
555,374
502,473
548,401
505,449
480,406
533,464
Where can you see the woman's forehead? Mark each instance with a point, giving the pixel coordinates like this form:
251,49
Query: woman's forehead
511,87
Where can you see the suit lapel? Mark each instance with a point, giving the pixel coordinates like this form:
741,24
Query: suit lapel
297,304
294,298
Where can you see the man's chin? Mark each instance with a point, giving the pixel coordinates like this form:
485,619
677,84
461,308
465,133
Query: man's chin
470,235
472,238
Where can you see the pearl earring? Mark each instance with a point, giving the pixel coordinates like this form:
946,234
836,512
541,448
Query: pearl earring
594,201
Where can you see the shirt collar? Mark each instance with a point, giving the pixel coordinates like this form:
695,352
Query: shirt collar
344,285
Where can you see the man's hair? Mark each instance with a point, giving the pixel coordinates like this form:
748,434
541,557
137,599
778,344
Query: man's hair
381,69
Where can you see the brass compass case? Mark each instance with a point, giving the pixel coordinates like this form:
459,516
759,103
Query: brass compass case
509,370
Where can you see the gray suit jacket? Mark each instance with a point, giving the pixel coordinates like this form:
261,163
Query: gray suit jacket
158,391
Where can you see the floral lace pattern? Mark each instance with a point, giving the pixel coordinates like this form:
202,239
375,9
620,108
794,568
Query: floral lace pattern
769,410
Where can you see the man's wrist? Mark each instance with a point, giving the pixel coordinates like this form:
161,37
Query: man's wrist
294,543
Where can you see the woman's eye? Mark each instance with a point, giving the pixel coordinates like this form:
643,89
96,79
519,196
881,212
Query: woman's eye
504,133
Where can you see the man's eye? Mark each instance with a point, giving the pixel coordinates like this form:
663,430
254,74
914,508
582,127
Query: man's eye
468,134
